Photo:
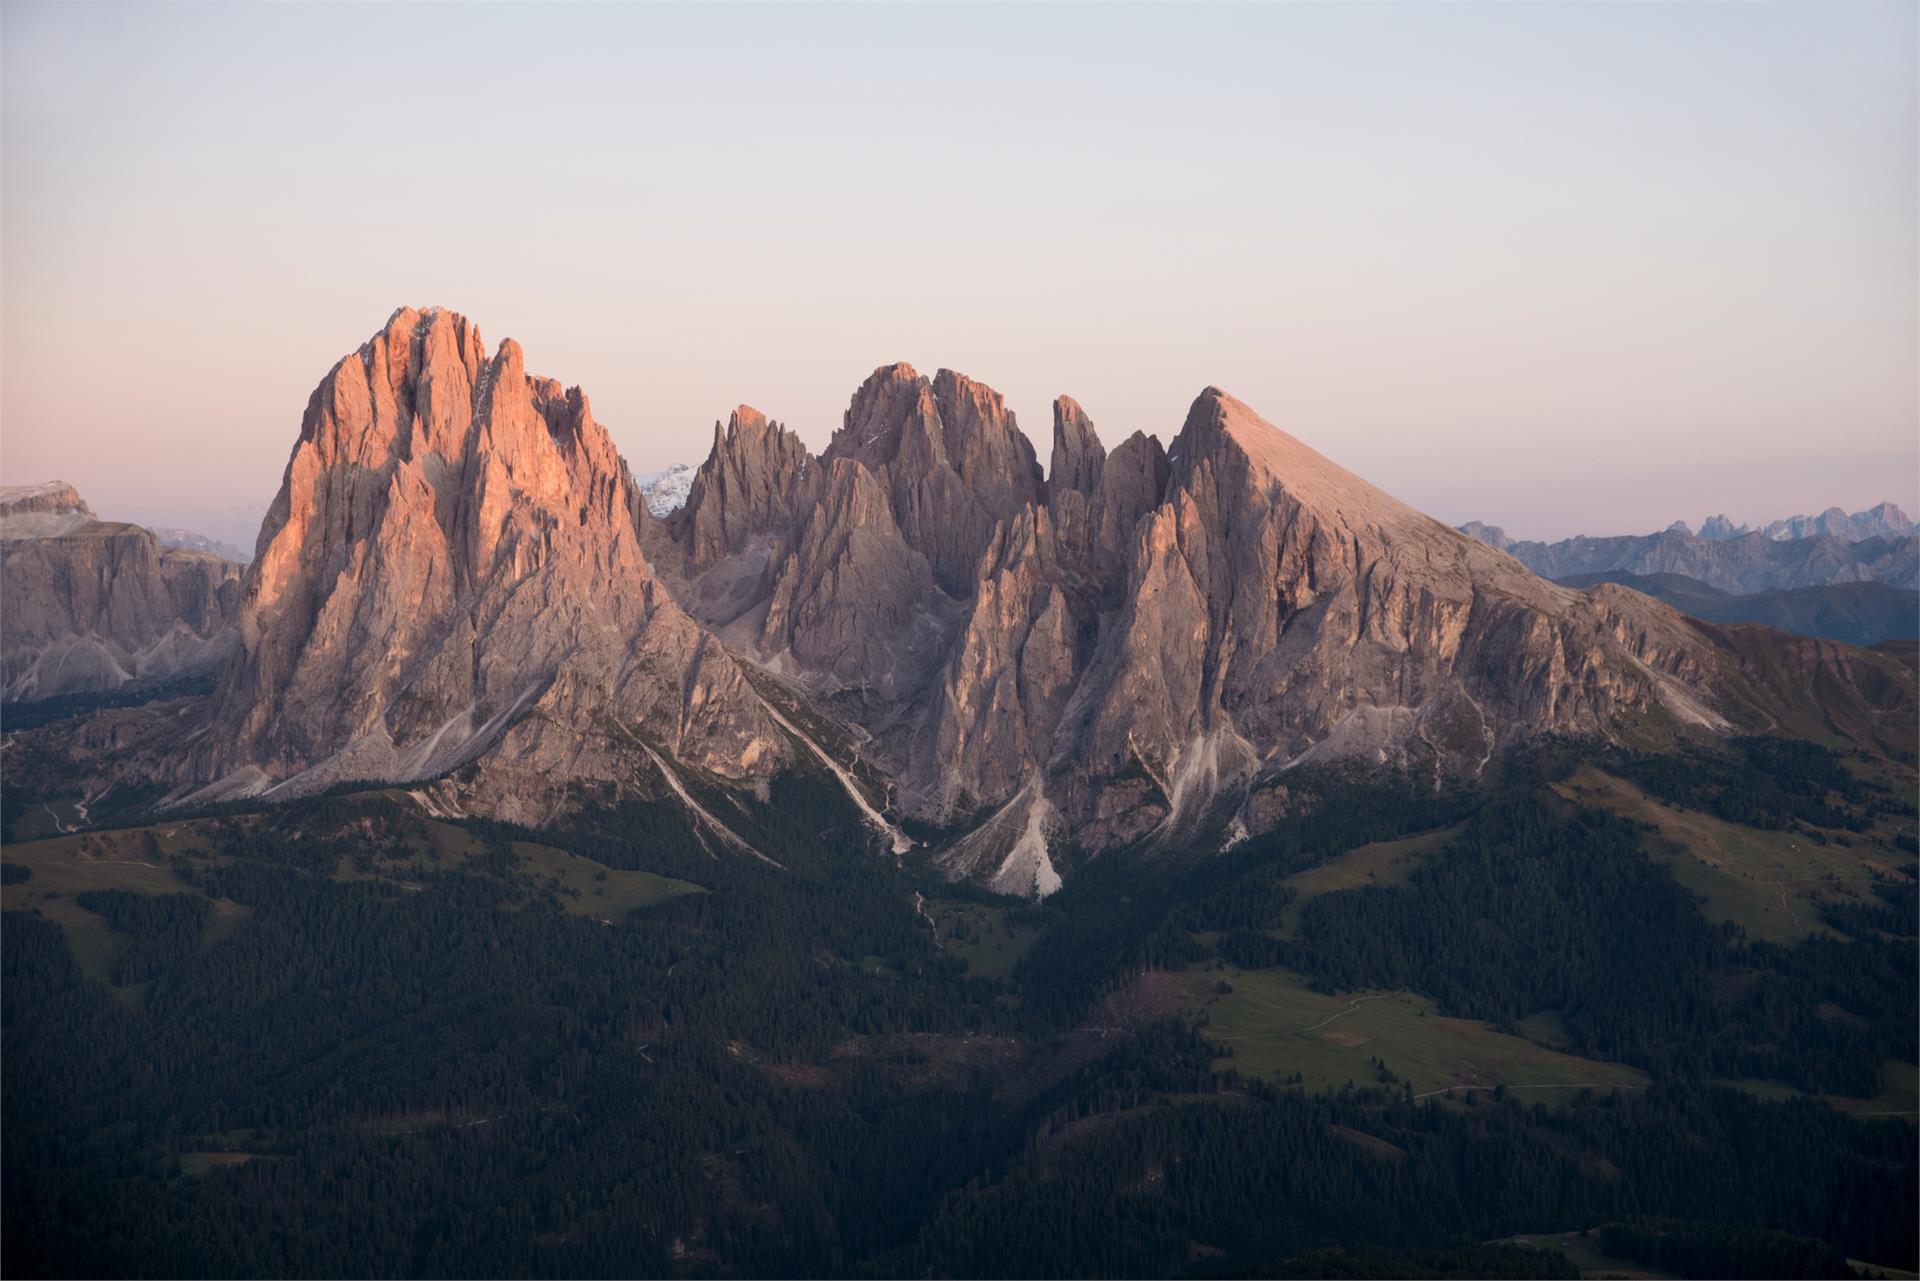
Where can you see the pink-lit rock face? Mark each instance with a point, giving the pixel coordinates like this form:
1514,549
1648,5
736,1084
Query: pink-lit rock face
452,569
458,581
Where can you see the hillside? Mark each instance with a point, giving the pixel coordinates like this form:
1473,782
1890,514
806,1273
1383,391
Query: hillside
1858,613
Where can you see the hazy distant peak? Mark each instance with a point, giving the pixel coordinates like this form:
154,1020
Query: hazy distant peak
1884,520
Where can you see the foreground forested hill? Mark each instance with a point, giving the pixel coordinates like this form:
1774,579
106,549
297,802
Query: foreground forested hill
1399,1035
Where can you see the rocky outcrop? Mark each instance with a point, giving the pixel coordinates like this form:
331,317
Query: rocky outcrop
37,511
852,604
452,571
88,606
1010,671
1078,455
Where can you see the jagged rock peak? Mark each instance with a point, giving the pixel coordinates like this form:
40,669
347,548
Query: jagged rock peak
1719,528
758,479
1077,452
417,373
892,409
949,456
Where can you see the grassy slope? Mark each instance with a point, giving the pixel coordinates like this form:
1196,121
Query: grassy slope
136,859
1583,1252
1382,863
67,866
583,887
1768,883
996,946
1276,1025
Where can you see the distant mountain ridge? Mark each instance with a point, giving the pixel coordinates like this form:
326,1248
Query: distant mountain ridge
1749,562
1884,520
191,540
665,491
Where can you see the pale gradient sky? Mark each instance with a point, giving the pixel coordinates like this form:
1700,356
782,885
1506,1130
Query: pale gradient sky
1566,268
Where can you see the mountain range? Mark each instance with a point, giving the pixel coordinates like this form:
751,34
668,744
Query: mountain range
460,587
1884,520
1754,561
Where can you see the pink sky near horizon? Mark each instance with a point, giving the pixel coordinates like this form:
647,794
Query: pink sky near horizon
1565,269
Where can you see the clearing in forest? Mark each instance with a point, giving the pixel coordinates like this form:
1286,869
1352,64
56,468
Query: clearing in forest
1273,1025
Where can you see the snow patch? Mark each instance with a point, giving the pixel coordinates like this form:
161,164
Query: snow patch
666,491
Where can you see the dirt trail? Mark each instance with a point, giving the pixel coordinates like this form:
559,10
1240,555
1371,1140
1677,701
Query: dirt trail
1296,1031
1577,1085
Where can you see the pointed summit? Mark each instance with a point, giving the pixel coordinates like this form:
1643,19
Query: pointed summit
1222,437
1077,452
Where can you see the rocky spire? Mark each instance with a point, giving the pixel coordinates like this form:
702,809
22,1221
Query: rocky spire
1078,455
758,478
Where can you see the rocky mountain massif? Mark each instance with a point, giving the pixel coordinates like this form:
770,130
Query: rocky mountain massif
1142,644
460,586
453,569
88,606
1750,561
